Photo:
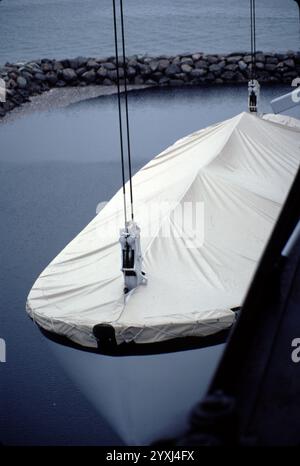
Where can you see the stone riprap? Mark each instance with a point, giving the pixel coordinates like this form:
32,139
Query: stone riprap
23,80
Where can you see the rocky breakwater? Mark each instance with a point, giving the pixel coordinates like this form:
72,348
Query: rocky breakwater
23,80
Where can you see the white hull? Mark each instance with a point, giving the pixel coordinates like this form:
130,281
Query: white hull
143,398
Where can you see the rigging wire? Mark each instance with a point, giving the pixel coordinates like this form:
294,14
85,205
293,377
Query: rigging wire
253,38
254,32
126,108
120,107
130,235
120,110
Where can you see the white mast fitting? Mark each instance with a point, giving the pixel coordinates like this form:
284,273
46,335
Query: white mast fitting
253,84
289,100
132,258
253,95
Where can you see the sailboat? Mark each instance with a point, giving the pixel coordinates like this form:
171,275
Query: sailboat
139,317
241,170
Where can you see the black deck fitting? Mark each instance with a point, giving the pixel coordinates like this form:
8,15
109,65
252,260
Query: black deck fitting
105,335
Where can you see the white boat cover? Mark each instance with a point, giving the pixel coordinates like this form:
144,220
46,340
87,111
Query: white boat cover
239,172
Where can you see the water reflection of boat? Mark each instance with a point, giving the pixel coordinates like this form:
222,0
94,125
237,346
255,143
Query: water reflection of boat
241,169
143,398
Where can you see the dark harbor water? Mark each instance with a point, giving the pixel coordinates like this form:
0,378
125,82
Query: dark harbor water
35,29
55,167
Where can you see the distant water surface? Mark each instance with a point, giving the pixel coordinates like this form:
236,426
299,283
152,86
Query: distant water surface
32,29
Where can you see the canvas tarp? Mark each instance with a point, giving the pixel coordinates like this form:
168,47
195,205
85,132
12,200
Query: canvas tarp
237,173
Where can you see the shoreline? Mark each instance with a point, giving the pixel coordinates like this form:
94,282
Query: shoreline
82,78
61,98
